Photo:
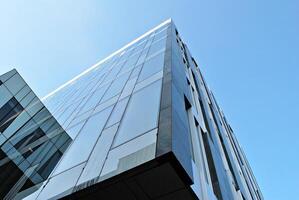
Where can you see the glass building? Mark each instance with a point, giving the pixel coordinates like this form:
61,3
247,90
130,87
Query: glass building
144,125
31,140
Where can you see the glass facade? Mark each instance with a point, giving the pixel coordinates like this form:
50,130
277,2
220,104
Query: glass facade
31,140
202,139
110,112
144,125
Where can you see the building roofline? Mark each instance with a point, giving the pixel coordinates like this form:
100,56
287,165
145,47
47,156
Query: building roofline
108,57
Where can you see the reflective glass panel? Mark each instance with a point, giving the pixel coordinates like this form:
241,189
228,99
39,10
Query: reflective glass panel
83,144
156,46
152,66
117,112
73,131
61,183
116,87
114,71
5,95
98,156
117,162
94,99
128,88
141,114
15,84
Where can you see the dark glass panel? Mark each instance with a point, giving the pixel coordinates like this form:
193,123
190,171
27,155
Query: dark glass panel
49,165
212,168
24,144
4,110
9,175
9,112
27,185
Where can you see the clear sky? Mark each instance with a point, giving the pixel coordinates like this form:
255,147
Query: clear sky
248,51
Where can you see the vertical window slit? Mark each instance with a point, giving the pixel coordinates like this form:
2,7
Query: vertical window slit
212,169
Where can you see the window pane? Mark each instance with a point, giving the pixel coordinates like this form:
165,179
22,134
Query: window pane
135,72
66,113
116,87
160,34
117,112
157,46
34,106
15,84
106,104
61,183
27,99
9,112
73,131
83,144
114,71
130,63
141,114
81,117
128,88
148,81
142,57
94,99
22,93
5,95
98,156
122,157
152,66
7,75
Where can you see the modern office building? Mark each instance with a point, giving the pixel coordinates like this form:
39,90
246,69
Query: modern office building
145,126
31,140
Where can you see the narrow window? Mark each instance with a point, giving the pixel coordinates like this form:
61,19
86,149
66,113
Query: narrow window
229,163
194,62
189,115
204,116
212,169
196,85
202,150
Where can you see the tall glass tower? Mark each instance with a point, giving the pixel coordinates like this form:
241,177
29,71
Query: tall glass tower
144,125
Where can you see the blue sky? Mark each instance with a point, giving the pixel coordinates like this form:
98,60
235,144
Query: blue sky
248,51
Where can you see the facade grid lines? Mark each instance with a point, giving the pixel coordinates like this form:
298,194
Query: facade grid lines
142,124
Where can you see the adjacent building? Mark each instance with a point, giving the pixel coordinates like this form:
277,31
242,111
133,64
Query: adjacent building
144,125
31,140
